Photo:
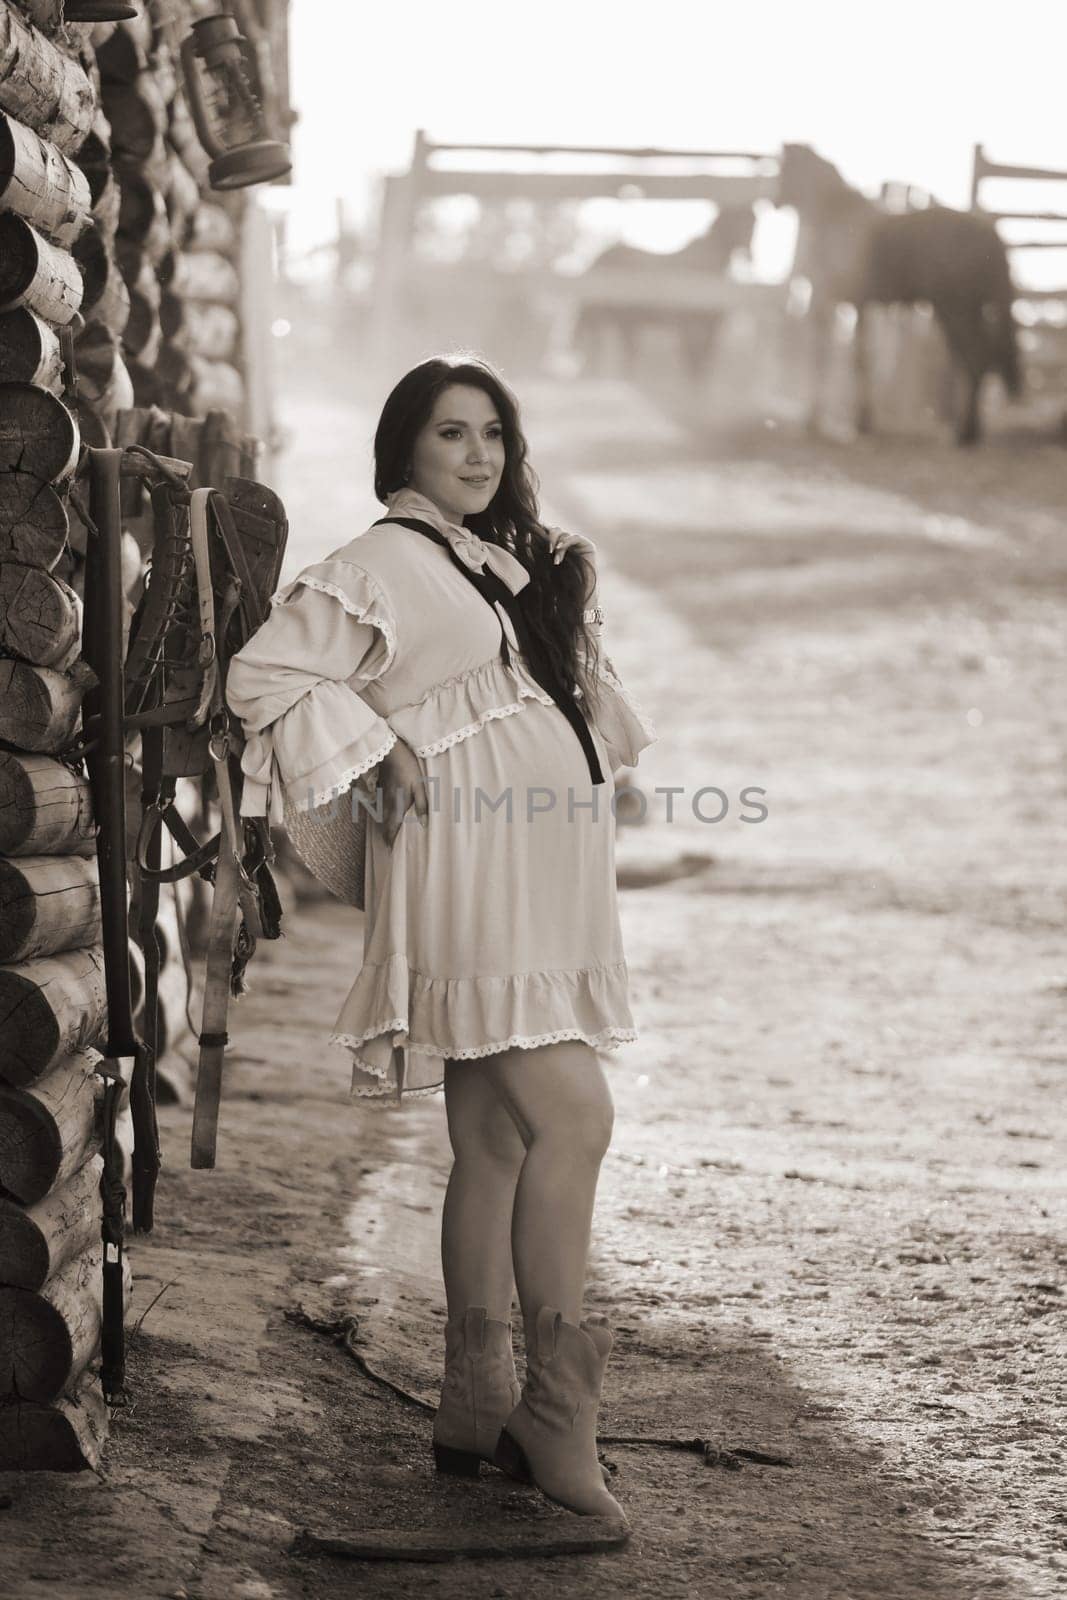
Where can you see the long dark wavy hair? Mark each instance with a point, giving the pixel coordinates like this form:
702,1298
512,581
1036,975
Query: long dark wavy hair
556,595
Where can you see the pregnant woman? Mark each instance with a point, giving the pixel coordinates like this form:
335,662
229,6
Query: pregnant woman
429,713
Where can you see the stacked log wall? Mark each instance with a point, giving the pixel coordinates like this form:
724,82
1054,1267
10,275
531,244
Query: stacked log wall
117,292
119,323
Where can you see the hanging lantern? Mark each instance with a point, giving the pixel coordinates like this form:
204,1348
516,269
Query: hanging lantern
219,73
98,11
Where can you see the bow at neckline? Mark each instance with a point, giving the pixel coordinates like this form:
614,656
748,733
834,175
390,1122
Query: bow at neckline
475,553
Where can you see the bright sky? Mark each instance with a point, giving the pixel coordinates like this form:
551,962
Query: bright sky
898,90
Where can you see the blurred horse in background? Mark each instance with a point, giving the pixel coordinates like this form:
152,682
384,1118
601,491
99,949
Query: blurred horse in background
854,252
625,290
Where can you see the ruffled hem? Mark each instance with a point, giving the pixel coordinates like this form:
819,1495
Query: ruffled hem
625,728
346,779
362,598
386,1088
423,1022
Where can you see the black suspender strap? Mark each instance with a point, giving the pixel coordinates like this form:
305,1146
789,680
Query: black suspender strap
494,590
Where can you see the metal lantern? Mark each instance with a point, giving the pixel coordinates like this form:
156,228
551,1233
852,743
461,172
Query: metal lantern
98,11
219,67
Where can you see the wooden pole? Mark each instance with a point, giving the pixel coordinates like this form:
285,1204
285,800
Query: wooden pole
42,184
48,1130
45,808
48,1008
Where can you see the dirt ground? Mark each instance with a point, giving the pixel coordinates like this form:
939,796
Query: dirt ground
830,1229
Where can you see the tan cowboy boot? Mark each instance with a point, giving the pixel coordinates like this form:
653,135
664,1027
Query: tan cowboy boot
480,1389
552,1431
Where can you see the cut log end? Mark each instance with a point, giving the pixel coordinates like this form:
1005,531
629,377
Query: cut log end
67,1436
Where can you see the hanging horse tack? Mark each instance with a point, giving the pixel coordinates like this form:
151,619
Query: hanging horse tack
215,562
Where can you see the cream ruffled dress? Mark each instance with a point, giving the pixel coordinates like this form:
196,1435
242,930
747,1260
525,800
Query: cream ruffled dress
497,925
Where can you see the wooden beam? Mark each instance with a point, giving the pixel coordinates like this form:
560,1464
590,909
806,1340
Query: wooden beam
33,520
48,904
48,1336
212,229
205,275
40,621
42,184
46,808
37,433
29,350
66,1436
37,1242
137,113
42,86
49,1008
984,168
37,274
49,1129
741,189
626,152
106,298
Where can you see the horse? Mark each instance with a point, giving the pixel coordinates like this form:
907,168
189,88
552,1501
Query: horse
645,304
854,252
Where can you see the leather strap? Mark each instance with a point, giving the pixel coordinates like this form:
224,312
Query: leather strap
207,658
493,589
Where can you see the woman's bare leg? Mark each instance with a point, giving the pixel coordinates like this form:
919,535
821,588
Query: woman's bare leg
476,1219
559,1097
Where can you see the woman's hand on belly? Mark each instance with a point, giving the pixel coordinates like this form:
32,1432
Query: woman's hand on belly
403,784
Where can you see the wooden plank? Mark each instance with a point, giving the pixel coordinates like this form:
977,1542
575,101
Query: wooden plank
49,1129
42,184
42,86
49,1008
48,904
37,1242
581,1536
46,807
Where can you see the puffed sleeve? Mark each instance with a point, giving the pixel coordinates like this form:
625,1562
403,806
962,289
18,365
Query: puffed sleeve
295,685
624,727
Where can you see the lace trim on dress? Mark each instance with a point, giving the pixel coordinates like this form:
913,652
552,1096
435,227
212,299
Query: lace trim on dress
349,776
466,732
363,613
606,1039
